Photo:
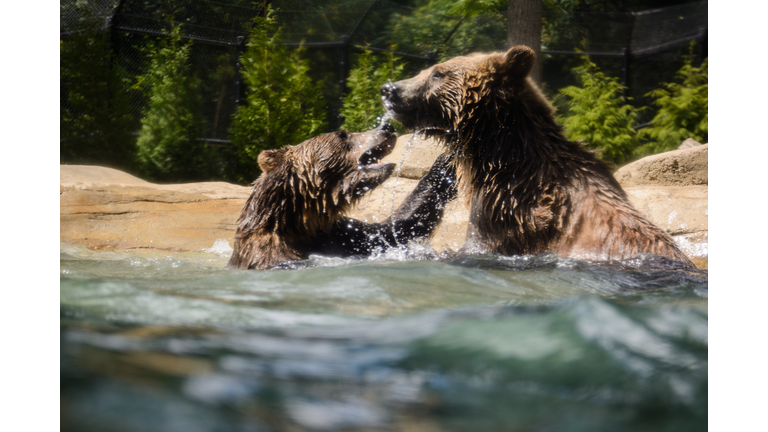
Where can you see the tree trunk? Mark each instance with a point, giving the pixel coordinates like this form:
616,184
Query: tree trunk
524,28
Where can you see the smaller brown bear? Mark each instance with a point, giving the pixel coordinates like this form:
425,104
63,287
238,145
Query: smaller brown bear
297,205
532,190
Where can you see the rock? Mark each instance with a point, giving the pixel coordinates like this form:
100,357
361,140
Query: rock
689,143
381,203
687,167
671,189
680,210
414,155
106,209
88,175
451,233
675,209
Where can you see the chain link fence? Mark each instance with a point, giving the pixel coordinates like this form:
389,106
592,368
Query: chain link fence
641,49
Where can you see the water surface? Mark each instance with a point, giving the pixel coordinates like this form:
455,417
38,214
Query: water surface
480,343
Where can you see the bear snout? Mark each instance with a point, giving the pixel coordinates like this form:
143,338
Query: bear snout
388,90
389,94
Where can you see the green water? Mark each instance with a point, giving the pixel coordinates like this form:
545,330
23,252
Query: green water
483,343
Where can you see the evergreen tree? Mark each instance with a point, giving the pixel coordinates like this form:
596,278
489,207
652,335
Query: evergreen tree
683,110
283,105
598,115
95,118
169,149
362,103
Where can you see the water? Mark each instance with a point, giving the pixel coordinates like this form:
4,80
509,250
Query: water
153,342
411,142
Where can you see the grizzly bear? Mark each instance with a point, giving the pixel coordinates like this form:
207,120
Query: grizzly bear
298,202
531,190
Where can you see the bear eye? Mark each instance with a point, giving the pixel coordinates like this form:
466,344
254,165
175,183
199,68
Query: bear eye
342,135
437,75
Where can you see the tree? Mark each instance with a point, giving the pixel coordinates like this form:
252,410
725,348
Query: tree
283,105
168,143
524,28
683,110
599,116
362,104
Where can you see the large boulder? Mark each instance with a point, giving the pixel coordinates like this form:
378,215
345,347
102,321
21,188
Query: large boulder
685,167
414,156
381,203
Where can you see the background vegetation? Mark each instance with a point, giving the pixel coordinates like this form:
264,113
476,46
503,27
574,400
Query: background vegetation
682,110
168,146
283,104
597,114
362,108
95,117
291,93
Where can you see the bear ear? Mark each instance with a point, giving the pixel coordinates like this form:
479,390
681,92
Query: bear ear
271,159
517,62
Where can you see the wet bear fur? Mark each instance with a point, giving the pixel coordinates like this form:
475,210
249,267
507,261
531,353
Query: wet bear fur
531,190
298,202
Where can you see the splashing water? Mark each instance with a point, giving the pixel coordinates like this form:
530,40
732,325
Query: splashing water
411,142
221,248
384,119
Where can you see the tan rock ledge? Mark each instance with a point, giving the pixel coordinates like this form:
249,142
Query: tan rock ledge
106,209
687,167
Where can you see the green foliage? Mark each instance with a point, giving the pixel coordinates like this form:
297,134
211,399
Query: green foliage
683,110
427,27
468,8
283,105
362,103
168,143
95,117
598,115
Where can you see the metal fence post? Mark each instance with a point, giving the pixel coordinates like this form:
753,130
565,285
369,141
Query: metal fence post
624,72
625,58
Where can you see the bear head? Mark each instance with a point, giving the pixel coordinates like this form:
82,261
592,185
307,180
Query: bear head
441,100
304,188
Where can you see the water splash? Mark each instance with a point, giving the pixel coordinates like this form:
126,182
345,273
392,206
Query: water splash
221,248
384,119
411,142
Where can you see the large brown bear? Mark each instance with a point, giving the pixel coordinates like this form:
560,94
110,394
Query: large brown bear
297,205
531,190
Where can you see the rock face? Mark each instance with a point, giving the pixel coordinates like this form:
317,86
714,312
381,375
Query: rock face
686,167
379,205
689,143
106,209
414,156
